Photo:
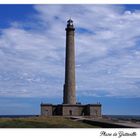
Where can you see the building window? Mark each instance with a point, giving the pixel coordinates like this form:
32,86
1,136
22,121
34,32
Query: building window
96,112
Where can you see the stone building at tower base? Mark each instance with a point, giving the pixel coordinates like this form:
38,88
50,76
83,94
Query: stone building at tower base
93,110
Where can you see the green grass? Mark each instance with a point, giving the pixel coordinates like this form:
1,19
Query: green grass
42,122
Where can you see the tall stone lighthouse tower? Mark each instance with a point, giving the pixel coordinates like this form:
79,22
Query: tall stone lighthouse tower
69,86
69,106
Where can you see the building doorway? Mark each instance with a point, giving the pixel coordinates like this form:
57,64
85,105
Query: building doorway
83,114
70,112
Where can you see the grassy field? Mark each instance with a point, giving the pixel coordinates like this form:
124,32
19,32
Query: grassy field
42,122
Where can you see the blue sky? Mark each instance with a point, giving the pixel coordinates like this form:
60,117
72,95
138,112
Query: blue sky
32,52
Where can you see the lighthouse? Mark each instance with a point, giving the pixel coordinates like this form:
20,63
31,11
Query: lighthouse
69,107
69,96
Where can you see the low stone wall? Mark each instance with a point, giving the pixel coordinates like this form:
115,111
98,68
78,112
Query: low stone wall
105,124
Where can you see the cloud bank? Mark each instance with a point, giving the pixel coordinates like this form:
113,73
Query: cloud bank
107,52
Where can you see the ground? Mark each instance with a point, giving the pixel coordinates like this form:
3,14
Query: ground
42,122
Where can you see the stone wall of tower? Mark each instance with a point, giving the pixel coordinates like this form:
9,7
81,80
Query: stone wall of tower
69,86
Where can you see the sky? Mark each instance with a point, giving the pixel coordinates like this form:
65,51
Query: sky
32,54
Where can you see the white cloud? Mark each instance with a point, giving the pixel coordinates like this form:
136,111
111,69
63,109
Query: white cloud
107,52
